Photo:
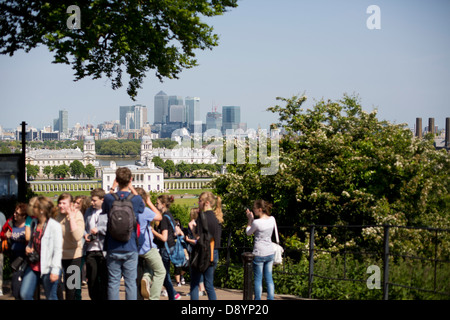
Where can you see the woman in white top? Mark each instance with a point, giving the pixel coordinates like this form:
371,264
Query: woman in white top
263,248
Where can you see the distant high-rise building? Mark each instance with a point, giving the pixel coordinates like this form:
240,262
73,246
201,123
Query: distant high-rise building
161,108
231,117
133,117
123,110
192,110
61,123
214,120
177,113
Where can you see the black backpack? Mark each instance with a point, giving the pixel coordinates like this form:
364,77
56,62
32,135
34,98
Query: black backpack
202,257
121,218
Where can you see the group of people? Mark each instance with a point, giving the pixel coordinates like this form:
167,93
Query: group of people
51,244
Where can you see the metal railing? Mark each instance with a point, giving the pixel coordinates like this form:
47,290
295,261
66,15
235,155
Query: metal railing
384,253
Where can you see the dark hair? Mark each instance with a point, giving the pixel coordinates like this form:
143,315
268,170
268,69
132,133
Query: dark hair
98,192
123,176
65,195
46,205
166,200
142,193
23,207
264,205
85,202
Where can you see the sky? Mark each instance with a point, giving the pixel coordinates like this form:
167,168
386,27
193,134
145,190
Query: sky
268,49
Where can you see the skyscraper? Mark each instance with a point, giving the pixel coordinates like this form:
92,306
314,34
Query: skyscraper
214,120
177,113
61,123
161,107
123,110
192,110
231,117
133,117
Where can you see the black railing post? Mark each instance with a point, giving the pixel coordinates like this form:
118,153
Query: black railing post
247,259
311,261
386,264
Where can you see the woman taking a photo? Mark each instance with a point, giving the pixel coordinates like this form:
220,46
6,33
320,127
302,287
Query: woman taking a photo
44,251
263,248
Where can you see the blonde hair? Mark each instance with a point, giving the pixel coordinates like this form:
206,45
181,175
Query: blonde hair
194,213
215,202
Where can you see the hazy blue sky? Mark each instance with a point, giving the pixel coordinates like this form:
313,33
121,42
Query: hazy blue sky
267,49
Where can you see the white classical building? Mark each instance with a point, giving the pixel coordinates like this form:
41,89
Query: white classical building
45,157
177,155
148,177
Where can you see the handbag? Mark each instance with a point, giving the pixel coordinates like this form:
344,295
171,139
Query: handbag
278,258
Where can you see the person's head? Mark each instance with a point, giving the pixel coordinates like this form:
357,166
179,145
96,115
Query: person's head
123,177
21,212
261,207
64,202
142,193
208,201
97,196
194,214
30,209
164,202
43,208
82,203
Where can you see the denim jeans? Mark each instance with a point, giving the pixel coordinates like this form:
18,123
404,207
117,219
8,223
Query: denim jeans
263,266
30,281
208,280
167,280
122,263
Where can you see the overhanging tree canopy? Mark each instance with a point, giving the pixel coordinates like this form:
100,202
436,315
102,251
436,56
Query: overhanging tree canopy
114,36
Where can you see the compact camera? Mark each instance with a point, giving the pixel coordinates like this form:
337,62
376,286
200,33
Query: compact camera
33,257
92,237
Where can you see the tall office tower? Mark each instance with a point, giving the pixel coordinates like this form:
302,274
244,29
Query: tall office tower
192,110
214,120
123,110
177,113
133,117
231,117
61,123
175,100
161,108
140,116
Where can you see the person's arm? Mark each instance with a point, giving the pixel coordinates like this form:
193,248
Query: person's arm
76,222
161,236
250,226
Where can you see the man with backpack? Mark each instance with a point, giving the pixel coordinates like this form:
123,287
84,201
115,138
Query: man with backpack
121,236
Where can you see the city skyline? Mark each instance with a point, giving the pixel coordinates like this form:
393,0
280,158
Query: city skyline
322,49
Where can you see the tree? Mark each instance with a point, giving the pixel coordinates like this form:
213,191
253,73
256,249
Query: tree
32,170
47,171
89,171
110,37
158,162
60,171
341,165
169,167
76,168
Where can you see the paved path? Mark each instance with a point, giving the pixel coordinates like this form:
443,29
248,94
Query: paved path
222,294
